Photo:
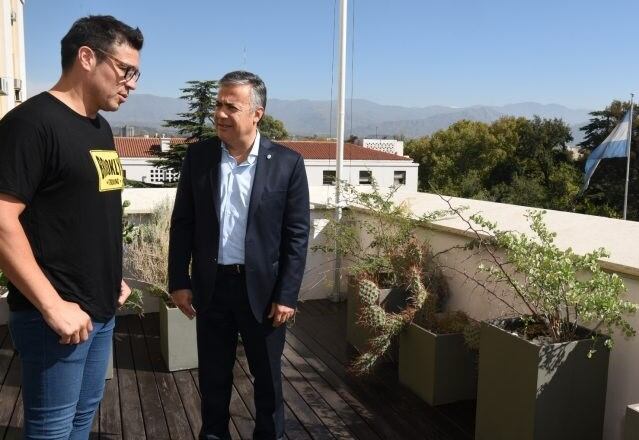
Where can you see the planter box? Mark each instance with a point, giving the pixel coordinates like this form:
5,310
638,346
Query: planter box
438,368
109,371
542,392
631,424
178,342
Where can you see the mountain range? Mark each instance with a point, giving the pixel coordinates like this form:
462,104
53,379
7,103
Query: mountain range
363,118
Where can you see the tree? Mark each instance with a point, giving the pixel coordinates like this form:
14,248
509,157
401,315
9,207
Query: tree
196,124
272,128
512,160
607,186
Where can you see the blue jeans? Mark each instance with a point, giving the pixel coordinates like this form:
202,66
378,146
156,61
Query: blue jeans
62,385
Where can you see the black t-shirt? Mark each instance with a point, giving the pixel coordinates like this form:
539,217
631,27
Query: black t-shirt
64,167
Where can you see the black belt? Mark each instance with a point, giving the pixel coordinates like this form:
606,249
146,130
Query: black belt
230,269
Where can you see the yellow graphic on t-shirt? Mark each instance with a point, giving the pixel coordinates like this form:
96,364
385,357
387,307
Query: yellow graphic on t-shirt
107,163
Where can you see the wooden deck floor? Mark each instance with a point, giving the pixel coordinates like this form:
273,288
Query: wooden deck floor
323,401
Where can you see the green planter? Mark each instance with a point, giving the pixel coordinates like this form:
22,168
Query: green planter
109,371
438,368
631,424
542,392
178,342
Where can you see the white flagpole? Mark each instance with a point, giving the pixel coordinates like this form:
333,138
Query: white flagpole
341,110
625,197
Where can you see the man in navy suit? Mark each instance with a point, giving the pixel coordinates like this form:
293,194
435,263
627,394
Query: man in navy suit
241,219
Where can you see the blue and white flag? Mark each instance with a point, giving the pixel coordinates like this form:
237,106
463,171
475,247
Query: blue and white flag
615,145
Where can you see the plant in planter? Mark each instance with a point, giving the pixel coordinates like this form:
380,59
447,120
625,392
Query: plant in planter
145,260
435,359
542,375
382,253
366,243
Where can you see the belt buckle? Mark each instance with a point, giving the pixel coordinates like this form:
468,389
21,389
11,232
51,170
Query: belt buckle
236,269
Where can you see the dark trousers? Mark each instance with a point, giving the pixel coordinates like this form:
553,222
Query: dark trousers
218,325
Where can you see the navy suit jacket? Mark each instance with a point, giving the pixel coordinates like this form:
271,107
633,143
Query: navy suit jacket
276,233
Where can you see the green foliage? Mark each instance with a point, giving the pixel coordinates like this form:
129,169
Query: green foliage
135,302
4,281
558,289
146,255
128,229
388,226
513,160
272,128
196,124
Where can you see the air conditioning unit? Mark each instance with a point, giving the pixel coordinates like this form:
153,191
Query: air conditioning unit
4,86
17,84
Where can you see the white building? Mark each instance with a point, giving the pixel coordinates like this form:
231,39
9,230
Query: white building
13,80
361,165
137,155
391,146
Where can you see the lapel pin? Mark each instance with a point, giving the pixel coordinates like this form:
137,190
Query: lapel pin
268,156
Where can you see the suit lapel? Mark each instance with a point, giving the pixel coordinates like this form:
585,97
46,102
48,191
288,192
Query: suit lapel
214,177
259,180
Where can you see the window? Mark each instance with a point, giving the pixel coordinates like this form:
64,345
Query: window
399,178
328,177
365,177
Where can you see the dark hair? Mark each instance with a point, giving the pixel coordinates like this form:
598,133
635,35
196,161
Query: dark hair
258,88
100,32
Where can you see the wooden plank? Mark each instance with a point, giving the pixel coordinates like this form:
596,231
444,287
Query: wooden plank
10,388
190,399
14,430
241,416
110,422
374,415
382,409
297,405
174,414
243,382
316,401
131,408
152,412
6,352
412,412
355,423
235,435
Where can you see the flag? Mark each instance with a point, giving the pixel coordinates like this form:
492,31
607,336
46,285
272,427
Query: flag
615,145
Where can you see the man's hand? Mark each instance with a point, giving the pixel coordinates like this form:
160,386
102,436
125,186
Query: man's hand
182,299
280,314
125,291
69,321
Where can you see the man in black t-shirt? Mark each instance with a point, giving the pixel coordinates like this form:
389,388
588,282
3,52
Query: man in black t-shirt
61,227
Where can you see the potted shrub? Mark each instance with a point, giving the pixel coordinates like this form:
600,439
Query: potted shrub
436,356
542,374
146,262
365,245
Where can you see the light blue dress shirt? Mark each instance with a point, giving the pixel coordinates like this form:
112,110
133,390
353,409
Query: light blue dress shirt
236,181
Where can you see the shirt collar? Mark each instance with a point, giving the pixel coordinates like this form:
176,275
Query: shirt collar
255,149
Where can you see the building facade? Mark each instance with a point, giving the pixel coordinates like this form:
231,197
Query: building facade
13,79
361,165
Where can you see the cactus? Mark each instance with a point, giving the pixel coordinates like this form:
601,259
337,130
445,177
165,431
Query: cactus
368,292
471,335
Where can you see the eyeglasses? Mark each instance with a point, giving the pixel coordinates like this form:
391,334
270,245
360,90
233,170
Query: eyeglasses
130,72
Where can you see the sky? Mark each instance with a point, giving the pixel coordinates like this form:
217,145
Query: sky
580,54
